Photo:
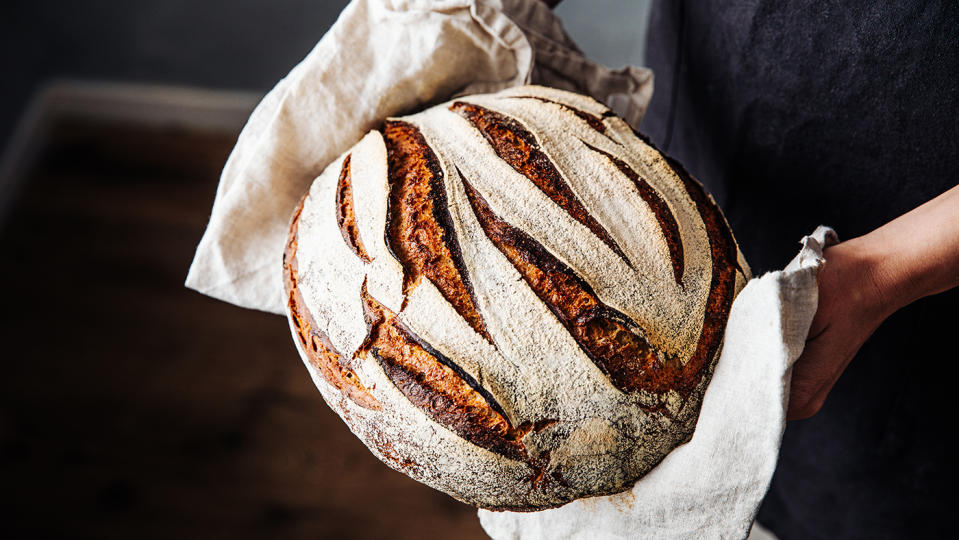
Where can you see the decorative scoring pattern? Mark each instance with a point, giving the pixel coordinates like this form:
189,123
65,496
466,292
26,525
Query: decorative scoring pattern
518,147
420,232
561,292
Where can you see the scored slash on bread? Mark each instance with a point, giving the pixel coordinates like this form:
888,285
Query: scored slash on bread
512,297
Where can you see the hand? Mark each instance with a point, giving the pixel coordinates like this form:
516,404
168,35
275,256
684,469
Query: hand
851,307
865,280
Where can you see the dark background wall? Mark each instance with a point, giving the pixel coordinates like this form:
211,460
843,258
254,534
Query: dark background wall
234,44
237,44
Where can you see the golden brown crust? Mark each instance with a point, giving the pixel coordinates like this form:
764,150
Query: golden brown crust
604,333
421,234
345,215
525,424
434,383
725,263
722,286
319,351
517,146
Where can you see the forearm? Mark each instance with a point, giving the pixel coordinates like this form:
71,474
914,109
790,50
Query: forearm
912,256
865,280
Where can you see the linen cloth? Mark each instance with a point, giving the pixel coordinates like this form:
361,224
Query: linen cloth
710,487
389,57
381,58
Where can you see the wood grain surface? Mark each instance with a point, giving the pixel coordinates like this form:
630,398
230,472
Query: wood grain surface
131,407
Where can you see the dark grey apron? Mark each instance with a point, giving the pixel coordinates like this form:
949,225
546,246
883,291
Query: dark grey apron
796,113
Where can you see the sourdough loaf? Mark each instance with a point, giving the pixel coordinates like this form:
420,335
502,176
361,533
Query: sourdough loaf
512,297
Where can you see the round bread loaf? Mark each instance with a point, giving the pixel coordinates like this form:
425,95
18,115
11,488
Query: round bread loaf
512,297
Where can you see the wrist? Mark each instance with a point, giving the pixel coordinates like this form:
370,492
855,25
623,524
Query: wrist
888,275
870,279
916,254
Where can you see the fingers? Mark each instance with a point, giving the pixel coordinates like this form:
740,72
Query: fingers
816,372
807,382
846,316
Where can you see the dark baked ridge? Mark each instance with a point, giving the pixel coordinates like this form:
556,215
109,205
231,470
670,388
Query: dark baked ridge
420,231
319,351
722,285
606,335
345,215
664,216
420,235
436,385
602,332
424,376
518,147
595,122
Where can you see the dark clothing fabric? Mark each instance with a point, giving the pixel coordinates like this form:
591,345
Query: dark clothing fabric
796,113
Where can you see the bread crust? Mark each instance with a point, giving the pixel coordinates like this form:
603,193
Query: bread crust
512,297
315,346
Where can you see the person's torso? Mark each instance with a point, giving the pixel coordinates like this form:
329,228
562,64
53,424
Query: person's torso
800,113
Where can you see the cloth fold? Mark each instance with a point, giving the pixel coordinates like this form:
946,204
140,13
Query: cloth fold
381,58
